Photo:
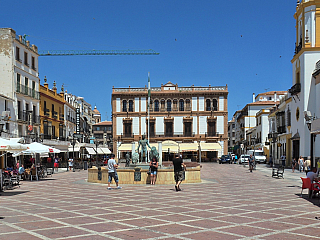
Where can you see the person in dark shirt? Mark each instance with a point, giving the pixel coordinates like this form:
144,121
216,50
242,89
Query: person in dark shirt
178,168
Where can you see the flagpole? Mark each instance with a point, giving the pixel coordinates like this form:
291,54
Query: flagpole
149,93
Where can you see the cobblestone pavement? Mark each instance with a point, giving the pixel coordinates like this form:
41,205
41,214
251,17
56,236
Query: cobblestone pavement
230,203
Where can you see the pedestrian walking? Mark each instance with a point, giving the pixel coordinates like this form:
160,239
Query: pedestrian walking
251,162
112,172
293,164
236,159
56,163
70,163
283,159
178,168
307,164
270,161
301,164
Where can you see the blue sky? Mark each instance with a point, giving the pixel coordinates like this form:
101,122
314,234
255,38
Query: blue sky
245,44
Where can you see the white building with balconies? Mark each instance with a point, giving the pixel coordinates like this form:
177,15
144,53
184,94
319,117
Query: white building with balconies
19,80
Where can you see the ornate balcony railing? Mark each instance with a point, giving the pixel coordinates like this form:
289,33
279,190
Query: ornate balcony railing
295,89
28,91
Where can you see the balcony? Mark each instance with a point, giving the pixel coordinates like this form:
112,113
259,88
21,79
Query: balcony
28,91
295,89
22,116
55,115
298,48
47,112
211,134
61,117
281,129
127,135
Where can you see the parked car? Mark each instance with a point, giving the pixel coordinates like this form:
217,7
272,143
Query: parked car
244,159
225,159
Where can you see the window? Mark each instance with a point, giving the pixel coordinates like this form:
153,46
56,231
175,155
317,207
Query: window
26,59
169,105
214,105
298,77
211,128
208,105
130,105
33,66
151,128
169,129
26,82
187,129
181,105
124,105
18,82
156,105
18,54
127,129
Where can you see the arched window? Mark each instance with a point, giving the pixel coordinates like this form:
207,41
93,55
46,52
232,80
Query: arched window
124,105
214,105
156,105
188,105
181,105
169,105
175,105
208,105
130,105
163,105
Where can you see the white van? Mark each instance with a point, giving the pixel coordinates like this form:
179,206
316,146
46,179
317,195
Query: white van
258,155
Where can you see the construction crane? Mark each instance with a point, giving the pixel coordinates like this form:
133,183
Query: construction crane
96,52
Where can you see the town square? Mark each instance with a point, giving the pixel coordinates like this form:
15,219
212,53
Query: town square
160,120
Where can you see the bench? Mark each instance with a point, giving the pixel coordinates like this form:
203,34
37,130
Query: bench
278,172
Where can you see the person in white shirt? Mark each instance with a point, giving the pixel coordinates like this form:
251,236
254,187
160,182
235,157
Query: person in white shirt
314,180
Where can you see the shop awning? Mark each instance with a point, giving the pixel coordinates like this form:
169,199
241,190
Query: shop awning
91,151
99,150
105,150
188,147
126,147
76,149
208,147
171,146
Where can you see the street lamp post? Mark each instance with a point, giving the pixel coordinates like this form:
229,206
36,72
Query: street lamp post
73,142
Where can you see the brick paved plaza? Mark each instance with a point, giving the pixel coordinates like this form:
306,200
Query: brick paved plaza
230,203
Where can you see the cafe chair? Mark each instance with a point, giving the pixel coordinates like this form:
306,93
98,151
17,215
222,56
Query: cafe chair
33,173
306,184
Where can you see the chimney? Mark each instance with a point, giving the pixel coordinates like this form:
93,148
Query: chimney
253,97
275,96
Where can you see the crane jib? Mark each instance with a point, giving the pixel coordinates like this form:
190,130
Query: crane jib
96,52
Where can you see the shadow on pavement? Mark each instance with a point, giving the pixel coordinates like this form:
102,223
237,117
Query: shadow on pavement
7,193
315,200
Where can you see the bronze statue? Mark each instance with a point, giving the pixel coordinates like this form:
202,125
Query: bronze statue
143,143
127,159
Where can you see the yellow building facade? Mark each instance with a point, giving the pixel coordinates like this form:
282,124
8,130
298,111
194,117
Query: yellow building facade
52,112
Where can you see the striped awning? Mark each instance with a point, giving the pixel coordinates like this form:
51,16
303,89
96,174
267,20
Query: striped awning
105,150
188,147
208,147
100,151
91,151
